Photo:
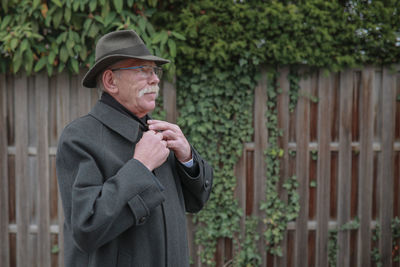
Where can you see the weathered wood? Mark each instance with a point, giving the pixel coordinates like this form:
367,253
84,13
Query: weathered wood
302,170
169,100
283,124
344,176
249,174
324,167
4,218
386,168
366,169
240,190
260,141
84,103
220,252
43,192
63,116
21,169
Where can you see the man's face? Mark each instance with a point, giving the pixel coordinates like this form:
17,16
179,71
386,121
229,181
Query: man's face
137,90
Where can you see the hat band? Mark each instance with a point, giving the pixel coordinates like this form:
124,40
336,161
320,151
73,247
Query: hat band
133,51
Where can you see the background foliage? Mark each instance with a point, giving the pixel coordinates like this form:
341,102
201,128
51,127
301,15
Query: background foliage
216,48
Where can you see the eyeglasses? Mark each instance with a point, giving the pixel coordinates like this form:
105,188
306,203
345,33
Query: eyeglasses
146,71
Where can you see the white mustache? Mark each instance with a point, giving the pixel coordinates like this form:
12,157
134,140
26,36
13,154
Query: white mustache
150,89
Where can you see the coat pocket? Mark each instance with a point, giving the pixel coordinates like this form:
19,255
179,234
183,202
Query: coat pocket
124,260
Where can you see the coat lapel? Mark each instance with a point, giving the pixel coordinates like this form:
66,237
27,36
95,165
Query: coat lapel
116,121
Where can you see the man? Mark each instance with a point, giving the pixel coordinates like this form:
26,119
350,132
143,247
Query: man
126,181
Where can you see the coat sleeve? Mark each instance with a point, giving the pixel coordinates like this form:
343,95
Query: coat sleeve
97,209
196,182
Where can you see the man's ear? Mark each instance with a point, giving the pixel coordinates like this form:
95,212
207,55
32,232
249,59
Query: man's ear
108,80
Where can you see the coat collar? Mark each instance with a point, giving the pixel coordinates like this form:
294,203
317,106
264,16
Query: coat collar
116,121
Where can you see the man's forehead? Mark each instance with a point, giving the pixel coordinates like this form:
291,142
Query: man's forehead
131,62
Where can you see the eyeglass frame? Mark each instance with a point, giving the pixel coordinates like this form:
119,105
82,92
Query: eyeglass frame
155,70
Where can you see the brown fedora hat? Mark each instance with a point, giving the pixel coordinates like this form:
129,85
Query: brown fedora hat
116,46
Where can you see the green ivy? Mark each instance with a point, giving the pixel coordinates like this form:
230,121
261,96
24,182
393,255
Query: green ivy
247,254
217,121
332,243
278,212
59,34
376,257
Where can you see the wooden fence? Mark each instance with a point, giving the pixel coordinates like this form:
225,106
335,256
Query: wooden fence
354,128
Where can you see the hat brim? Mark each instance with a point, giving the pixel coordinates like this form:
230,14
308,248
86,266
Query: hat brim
89,80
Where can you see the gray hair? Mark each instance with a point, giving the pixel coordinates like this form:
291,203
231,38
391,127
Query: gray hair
99,82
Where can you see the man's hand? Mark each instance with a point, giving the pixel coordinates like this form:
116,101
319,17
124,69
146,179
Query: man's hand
151,150
176,141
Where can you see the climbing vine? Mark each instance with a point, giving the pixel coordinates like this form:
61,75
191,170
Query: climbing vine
278,212
332,242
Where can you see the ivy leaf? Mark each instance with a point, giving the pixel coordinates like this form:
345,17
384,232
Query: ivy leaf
94,30
118,5
57,18
4,4
55,249
92,5
57,2
109,18
17,61
40,64
24,45
172,47
142,24
63,54
5,22
67,14
35,4
157,38
178,36
28,61
83,53
13,43
75,65
51,57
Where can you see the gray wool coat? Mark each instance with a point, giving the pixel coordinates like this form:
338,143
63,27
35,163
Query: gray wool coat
117,212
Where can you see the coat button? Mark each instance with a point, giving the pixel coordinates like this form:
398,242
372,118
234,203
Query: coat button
206,184
142,220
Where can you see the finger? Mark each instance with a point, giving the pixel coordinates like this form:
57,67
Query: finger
174,144
159,135
169,135
150,132
163,126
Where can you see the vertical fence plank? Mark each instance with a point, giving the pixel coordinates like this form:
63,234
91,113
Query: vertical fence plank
169,99
386,168
43,193
260,142
344,176
366,168
325,85
240,190
302,170
21,169
63,118
4,237
84,105
283,124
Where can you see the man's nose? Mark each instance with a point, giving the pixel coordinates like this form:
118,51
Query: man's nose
153,79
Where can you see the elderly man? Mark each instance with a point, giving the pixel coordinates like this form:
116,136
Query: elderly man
126,181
